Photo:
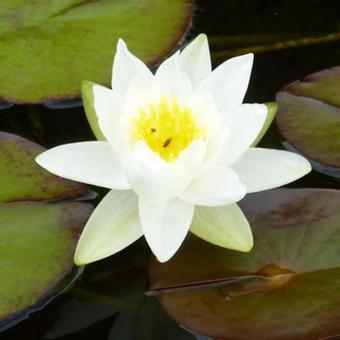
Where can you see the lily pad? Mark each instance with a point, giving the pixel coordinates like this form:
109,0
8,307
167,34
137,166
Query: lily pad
37,244
22,179
37,239
309,119
287,287
48,48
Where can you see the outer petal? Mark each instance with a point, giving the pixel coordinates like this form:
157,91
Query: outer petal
228,83
109,108
170,79
88,162
87,94
113,226
126,67
262,169
223,226
244,123
165,225
195,60
150,176
221,186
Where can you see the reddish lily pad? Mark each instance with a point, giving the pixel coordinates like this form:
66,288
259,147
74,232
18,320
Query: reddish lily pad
309,119
287,287
21,178
48,48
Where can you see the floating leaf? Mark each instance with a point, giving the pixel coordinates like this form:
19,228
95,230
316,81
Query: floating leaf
309,119
36,252
21,178
37,239
287,287
48,48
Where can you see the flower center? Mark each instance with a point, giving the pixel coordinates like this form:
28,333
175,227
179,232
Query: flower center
167,128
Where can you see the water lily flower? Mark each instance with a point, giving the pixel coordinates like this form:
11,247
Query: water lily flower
177,155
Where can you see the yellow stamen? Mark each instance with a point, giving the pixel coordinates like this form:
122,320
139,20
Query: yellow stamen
167,128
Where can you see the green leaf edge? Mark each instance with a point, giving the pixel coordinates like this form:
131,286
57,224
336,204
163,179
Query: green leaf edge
272,108
90,111
213,224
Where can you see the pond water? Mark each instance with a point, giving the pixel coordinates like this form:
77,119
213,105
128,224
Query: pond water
112,298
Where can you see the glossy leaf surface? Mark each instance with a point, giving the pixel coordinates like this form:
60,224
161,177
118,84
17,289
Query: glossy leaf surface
21,178
36,251
48,48
285,288
38,239
309,119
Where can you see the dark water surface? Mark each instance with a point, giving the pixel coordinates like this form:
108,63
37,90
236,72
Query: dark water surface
108,302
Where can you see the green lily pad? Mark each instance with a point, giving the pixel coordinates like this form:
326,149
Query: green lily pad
48,48
309,119
22,179
37,244
287,287
37,239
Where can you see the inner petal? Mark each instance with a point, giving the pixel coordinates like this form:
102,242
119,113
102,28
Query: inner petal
167,127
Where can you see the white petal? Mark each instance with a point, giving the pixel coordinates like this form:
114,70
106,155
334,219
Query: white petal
126,67
165,225
221,186
171,80
195,60
88,162
244,124
109,108
150,176
193,156
203,106
225,227
138,96
262,169
228,83
113,226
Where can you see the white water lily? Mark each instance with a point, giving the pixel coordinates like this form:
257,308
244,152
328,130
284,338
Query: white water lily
178,155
